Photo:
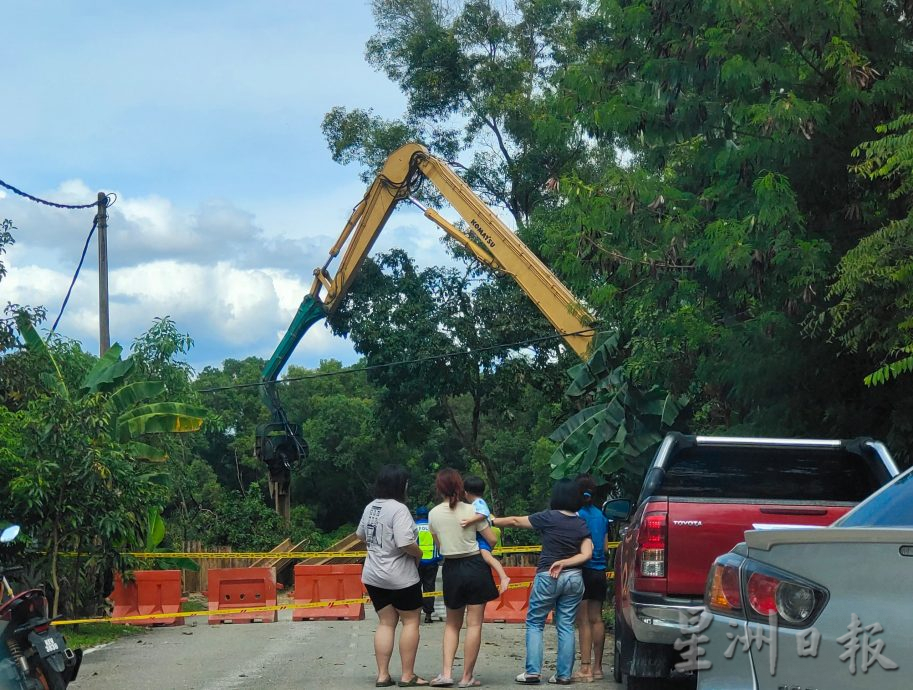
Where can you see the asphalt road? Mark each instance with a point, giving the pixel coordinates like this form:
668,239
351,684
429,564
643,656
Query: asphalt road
329,655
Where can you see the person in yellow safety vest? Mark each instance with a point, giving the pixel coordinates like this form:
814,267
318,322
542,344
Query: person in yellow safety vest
431,559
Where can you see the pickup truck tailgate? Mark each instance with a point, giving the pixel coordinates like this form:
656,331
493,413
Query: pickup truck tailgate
715,494
699,531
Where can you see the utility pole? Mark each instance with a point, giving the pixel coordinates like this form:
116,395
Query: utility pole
104,332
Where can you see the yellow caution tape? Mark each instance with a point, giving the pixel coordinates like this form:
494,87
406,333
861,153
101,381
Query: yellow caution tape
255,609
220,612
270,555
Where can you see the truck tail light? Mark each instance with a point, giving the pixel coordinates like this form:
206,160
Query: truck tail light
651,549
758,591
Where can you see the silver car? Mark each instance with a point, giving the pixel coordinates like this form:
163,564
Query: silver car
813,608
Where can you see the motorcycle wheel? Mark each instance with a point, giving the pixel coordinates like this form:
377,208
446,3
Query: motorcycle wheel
48,677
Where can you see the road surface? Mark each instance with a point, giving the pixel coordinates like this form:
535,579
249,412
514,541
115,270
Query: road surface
330,655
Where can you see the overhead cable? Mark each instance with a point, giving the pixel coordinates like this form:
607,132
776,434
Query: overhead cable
45,201
402,362
75,276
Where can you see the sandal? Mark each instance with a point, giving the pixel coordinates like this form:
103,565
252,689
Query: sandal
527,679
441,682
472,683
413,682
389,683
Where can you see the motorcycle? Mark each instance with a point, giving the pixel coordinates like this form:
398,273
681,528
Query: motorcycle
35,654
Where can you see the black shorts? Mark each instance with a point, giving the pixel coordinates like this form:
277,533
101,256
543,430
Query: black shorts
467,581
406,599
594,584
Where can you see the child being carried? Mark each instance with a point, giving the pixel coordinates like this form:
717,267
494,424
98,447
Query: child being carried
475,487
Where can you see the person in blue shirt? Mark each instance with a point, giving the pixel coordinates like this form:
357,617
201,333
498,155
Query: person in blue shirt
431,559
589,616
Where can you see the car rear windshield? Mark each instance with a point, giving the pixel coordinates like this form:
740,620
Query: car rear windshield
782,474
893,507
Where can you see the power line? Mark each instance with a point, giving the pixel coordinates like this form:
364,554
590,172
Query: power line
402,362
44,201
75,276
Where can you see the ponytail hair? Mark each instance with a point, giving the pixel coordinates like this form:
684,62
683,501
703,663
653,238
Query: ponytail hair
449,485
587,487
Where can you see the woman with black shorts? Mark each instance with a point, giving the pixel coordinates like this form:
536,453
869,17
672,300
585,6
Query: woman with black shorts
589,616
390,574
468,583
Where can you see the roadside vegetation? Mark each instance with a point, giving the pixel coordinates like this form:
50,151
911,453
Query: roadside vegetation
731,201
90,635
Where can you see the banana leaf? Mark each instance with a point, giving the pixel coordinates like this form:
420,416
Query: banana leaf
107,372
35,344
155,529
160,418
143,451
133,394
580,420
165,408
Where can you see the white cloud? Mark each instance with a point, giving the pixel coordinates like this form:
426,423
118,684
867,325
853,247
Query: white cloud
233,285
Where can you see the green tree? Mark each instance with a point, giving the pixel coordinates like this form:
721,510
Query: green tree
396,312
715,200
92,438
347,439
237,411
474,76
873,290
67,444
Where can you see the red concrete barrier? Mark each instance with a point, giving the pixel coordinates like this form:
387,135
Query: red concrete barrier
512,606
231,588
150,592
328,583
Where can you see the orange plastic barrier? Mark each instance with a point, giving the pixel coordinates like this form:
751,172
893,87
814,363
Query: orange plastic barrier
512,606
238,587
151,591
328,583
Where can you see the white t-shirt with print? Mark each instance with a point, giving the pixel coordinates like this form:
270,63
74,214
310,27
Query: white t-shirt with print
386,527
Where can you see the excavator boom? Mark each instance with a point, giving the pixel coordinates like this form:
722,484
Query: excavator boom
279,443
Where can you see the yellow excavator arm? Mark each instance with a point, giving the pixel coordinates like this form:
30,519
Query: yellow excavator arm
497,246
279,443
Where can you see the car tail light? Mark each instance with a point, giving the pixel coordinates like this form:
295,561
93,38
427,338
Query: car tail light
762,594
652,545
736,584
724,587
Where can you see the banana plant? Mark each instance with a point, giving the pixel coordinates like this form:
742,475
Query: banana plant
132,413
622,424
155,534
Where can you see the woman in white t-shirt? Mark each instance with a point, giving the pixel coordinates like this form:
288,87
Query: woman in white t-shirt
390,574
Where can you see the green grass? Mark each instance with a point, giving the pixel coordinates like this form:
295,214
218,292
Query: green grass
88,635
195,604
91,634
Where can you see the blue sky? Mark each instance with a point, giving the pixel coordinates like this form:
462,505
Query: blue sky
204,118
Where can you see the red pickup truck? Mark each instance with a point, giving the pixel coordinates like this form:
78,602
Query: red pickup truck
698,497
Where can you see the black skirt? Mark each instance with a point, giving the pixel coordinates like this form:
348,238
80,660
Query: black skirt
467,581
